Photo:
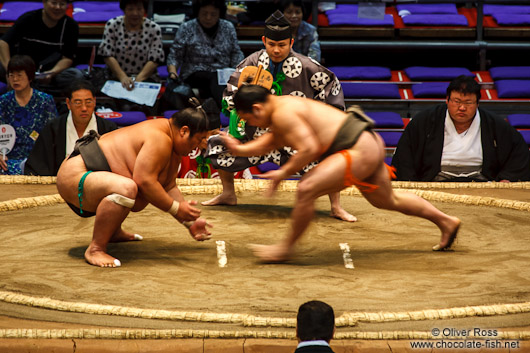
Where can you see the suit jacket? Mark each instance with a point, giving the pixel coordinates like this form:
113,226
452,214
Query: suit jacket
50,148
419,151
314,349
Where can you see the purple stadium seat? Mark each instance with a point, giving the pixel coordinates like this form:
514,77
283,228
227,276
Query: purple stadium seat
510,73
224,120
491,9
169,113
389,120
97,6
95,16
391,138
162,72
430,90
415,9
350,9
435,20
361,72
370,90
519,121
513,88
352,20
508,19
267,166
11,10
425,73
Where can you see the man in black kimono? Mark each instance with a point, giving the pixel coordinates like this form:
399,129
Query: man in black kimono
56,141
458,141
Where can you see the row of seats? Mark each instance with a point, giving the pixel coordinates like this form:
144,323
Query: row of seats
401,16
430,82
375,82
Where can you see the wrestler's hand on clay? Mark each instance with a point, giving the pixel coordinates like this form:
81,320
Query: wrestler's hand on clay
275,176
199,231
271,253
187,212
230,142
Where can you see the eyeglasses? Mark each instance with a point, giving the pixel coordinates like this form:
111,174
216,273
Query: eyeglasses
16,76
59,4
459,103
79,103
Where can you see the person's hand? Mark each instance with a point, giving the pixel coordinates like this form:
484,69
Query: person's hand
44,77
187,212
3,163
275,176
127,83
199,231
504,181
231,143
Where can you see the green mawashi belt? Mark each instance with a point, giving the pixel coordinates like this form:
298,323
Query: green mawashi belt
80,190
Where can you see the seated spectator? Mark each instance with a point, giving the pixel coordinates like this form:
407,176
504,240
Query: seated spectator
26,110
132,49
58,137
458,141
201,46
49,37
257,12
315,326
305,35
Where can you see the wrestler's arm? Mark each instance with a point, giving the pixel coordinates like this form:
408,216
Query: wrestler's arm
257,147
152,158
199,229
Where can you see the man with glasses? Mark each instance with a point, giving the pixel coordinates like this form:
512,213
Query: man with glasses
458,141
57,139
49,37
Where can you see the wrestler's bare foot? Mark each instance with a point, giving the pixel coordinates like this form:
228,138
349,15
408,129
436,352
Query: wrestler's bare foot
122,236
228,199
97,257
342,214
275,253
449,233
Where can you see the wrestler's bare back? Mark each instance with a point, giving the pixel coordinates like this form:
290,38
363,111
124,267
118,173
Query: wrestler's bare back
290,111
126,147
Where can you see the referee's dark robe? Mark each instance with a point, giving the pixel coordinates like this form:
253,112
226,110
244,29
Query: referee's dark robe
50,148
418,155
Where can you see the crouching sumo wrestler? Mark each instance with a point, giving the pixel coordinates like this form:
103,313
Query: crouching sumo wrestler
125,170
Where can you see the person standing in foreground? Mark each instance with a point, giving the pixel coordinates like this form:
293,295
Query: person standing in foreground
315,326
351,153
126,170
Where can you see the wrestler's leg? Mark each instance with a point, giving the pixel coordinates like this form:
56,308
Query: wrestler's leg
228,196
109,215
336,209
384,197
326,178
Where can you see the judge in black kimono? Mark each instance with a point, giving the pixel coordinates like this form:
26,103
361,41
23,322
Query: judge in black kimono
458,141
56,141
